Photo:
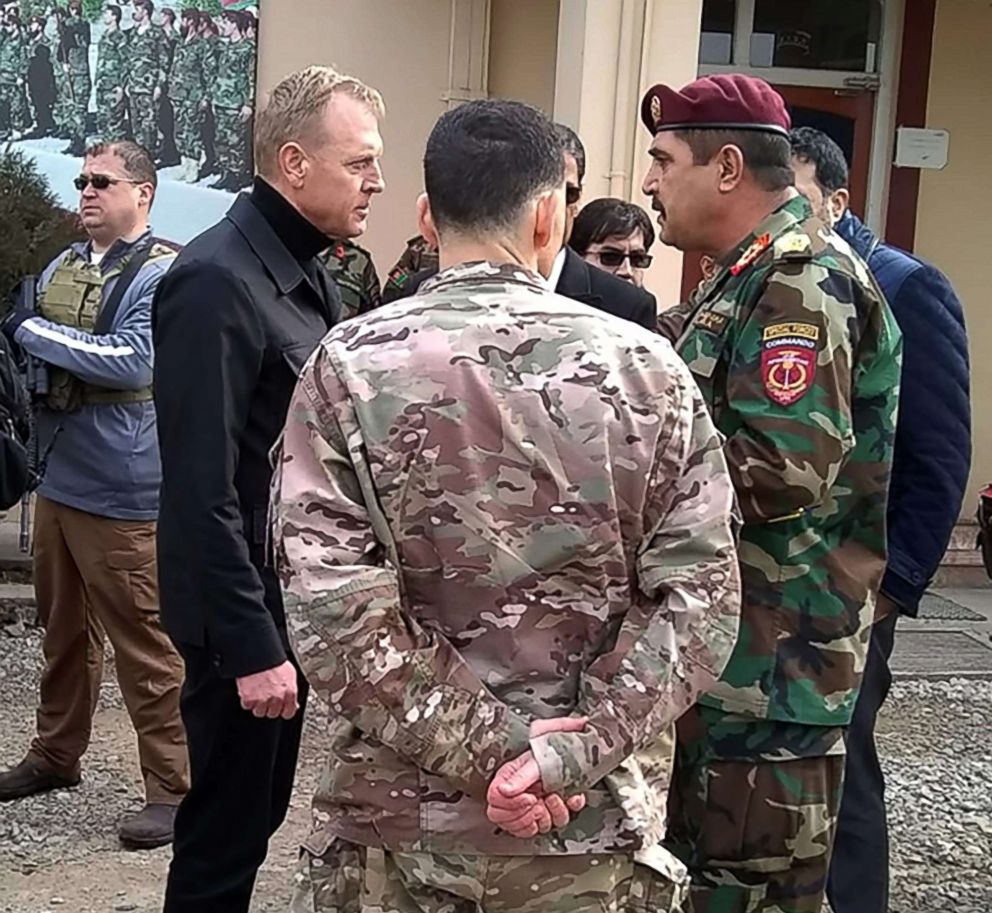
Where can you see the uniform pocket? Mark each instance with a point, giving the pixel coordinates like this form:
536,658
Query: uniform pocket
330,880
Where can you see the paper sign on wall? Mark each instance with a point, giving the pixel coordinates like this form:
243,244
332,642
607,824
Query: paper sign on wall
920,148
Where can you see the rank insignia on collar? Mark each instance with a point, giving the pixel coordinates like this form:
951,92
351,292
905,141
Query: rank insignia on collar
751,254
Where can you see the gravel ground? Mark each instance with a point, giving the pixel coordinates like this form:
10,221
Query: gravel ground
59,852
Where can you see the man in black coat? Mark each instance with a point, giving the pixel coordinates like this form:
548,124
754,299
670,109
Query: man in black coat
234,321
571,276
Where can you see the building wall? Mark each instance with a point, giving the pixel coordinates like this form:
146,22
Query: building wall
399,48
523,46
953,225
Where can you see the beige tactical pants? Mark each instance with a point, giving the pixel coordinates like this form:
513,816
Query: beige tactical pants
355,879
94,577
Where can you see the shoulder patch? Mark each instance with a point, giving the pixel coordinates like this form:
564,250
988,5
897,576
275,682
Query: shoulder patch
793,246
788,360
751,254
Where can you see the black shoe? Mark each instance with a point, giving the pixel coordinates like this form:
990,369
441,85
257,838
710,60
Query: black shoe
76,149
206,169
151,827
32,776
168,162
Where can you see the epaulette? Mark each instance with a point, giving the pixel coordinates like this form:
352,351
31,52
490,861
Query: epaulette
793,245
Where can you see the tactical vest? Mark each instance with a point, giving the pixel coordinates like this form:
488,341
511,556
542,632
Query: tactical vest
73,298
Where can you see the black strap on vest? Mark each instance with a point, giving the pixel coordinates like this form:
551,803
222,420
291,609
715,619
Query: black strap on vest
108,313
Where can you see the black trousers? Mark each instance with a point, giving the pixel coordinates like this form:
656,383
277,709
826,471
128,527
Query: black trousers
859,871
242,771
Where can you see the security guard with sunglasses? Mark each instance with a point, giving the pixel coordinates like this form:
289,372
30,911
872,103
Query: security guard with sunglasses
97,506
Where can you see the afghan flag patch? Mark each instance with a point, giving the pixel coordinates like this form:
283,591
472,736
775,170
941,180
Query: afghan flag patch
788,361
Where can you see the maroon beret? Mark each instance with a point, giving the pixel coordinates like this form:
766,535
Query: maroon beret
732,102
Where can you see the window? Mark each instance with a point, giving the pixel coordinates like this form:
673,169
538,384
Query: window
816,34
716,45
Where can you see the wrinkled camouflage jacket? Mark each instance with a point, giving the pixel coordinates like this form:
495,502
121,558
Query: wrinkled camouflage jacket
112,61
146,60
798,356
233,85
495,505
352,269
419,255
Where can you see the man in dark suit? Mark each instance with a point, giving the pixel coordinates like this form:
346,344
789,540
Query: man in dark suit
234,321
571,276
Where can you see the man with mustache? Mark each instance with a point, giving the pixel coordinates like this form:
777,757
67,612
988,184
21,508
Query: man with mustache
798,359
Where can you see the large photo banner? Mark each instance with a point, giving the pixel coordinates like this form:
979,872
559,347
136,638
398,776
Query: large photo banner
177,77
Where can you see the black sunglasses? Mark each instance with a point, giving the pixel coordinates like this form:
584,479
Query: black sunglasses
100,181
572,194
613,258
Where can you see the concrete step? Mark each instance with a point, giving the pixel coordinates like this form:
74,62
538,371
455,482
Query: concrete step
17,604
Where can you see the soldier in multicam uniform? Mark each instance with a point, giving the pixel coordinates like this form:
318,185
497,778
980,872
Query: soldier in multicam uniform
75,34
14,116
418,257
354,272
233,92
145,75
505,532
798,359
111,74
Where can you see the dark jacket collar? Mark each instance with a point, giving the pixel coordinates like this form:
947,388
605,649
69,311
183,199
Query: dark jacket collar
857,234
574,279
281,238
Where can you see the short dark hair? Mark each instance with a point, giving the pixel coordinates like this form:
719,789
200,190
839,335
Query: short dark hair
485,160
114,11
170,14
572,146
237,17
605,218
191,13
138,162
146,5
766,155
826,157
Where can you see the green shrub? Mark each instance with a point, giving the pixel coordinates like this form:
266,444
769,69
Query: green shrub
35,227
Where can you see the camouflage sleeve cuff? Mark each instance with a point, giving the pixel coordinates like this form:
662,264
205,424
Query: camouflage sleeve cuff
572,762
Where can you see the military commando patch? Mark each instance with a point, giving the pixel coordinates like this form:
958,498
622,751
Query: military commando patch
751,254
788,361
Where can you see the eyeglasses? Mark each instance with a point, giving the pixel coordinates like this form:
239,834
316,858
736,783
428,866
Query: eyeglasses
612,257
100,181
572,194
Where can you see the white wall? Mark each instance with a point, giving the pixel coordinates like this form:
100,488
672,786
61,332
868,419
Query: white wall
398,46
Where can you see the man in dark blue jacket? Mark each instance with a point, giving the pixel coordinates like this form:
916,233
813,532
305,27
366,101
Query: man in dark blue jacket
929,475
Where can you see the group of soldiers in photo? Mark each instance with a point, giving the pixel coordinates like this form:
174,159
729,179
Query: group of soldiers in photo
179,82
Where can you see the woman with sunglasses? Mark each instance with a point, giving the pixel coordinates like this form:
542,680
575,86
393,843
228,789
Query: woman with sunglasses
615,236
